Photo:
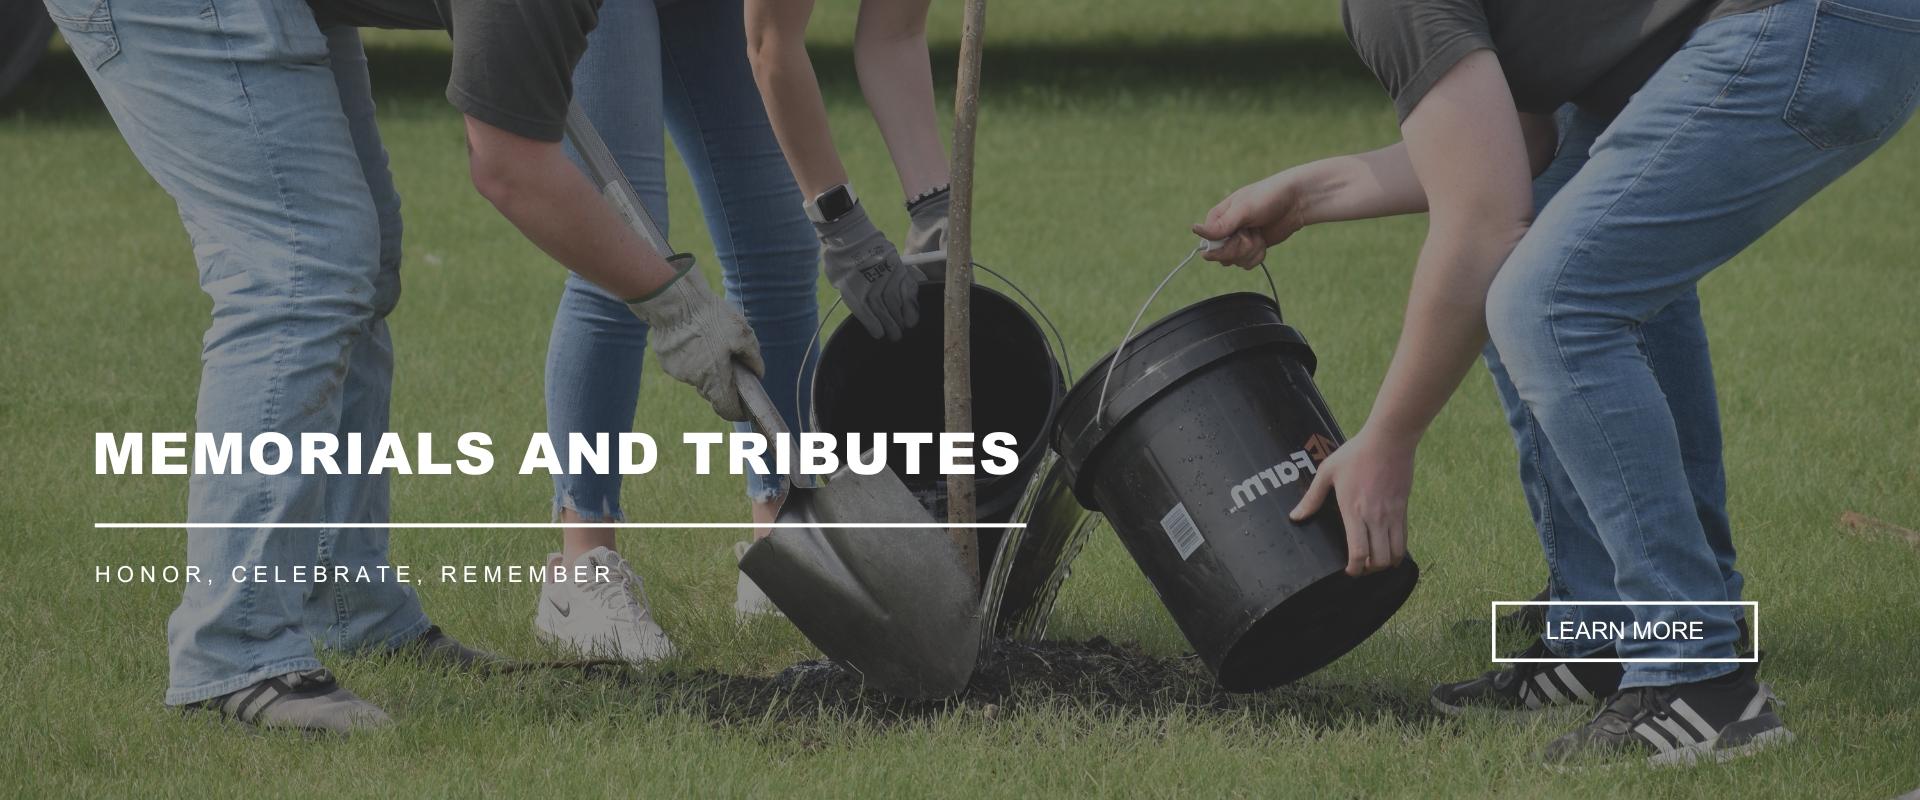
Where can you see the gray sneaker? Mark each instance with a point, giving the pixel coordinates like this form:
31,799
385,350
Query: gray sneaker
309,700
436,649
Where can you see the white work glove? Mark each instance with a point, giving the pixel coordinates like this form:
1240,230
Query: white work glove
927,223
697,338
882,293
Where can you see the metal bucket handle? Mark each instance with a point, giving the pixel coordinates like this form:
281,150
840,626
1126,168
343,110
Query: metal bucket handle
1100,407
1058,353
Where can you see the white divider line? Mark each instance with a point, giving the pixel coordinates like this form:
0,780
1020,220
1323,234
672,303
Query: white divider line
530,525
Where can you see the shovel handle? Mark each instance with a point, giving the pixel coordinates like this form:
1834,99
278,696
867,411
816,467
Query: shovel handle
759,405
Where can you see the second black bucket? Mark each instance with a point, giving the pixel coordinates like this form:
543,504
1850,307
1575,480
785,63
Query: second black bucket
866,385
1210,432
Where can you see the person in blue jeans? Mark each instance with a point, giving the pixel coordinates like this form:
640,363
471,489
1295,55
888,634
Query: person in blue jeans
1576,250
684,63
256,117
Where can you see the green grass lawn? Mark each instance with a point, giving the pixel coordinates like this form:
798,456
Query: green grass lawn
1106,128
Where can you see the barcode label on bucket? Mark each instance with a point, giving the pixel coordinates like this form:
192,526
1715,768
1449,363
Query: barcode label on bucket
1181,531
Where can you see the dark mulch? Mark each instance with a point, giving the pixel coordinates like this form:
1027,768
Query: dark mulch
1096,675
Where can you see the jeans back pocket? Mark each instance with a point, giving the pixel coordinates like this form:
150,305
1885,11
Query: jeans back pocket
87,25
1861,73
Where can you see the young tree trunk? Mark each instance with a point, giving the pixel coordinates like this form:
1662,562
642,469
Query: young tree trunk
959,244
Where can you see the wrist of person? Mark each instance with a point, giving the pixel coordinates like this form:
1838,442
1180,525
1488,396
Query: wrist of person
1395,430
680,264
1307,190
918,201
853,225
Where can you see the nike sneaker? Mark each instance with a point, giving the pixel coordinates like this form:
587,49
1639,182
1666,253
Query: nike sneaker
607,618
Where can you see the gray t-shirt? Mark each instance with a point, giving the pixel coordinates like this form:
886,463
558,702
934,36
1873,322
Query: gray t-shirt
1593,53
512,59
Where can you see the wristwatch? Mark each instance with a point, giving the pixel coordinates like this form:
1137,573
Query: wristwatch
832,204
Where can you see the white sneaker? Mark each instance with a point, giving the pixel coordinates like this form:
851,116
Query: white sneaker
601,619
748,600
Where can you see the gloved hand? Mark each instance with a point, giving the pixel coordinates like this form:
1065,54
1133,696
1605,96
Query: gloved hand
697,338
927,229
882,293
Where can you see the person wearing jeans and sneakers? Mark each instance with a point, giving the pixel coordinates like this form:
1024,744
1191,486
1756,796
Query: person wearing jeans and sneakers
654,66
1697,126
257,118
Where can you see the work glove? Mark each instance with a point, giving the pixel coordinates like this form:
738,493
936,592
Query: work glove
697,338
883,293
927,228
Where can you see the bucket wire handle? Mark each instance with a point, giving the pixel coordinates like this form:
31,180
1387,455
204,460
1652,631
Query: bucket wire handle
1100,407
1066,361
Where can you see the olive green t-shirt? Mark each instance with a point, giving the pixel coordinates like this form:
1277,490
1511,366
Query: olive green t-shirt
1593,53
512,59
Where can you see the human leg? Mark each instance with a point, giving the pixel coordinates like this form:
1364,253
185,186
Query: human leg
1704,160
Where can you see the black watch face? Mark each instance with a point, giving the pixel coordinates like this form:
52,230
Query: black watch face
834,203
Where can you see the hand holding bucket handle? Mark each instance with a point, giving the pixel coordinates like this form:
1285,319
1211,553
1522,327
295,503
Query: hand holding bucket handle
1100,406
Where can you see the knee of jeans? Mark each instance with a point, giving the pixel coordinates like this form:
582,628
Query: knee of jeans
1518,321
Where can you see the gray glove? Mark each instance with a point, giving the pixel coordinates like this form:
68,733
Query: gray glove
697,338
882,293
927,229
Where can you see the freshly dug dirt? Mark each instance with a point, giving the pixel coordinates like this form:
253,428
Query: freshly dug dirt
1095,675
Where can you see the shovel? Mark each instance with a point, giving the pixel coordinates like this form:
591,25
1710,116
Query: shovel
898,605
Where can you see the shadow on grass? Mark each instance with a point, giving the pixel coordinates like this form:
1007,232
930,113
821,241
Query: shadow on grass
1022,73
1095,676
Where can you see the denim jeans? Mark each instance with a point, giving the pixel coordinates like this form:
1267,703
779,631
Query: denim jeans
260,126
1598,347
685,62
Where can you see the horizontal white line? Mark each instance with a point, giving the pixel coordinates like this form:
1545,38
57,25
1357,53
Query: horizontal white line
1752,660
547,525
1754,603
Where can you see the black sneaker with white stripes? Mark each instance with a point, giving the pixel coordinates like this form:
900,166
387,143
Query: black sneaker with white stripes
1713,720
1530,686
309,700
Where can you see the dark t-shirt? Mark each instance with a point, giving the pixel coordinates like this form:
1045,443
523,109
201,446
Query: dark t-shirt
512,59
1593,53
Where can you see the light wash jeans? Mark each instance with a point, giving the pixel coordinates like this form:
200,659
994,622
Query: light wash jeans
1598,348
260,126
684,62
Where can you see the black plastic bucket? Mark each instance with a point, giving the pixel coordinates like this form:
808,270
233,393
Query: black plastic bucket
1211,433
866,385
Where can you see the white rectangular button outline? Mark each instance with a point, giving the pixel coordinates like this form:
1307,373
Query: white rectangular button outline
1493,636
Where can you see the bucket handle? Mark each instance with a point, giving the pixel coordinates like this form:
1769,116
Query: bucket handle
1100,406
1059,353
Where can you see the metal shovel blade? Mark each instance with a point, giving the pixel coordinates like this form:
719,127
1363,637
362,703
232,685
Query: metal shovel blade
899,606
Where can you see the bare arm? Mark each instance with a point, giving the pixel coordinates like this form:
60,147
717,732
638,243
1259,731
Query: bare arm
1376,183
543,194
1466,145
1479,208
890,56
776,44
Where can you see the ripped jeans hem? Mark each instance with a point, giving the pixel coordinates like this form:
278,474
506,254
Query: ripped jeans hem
609,510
